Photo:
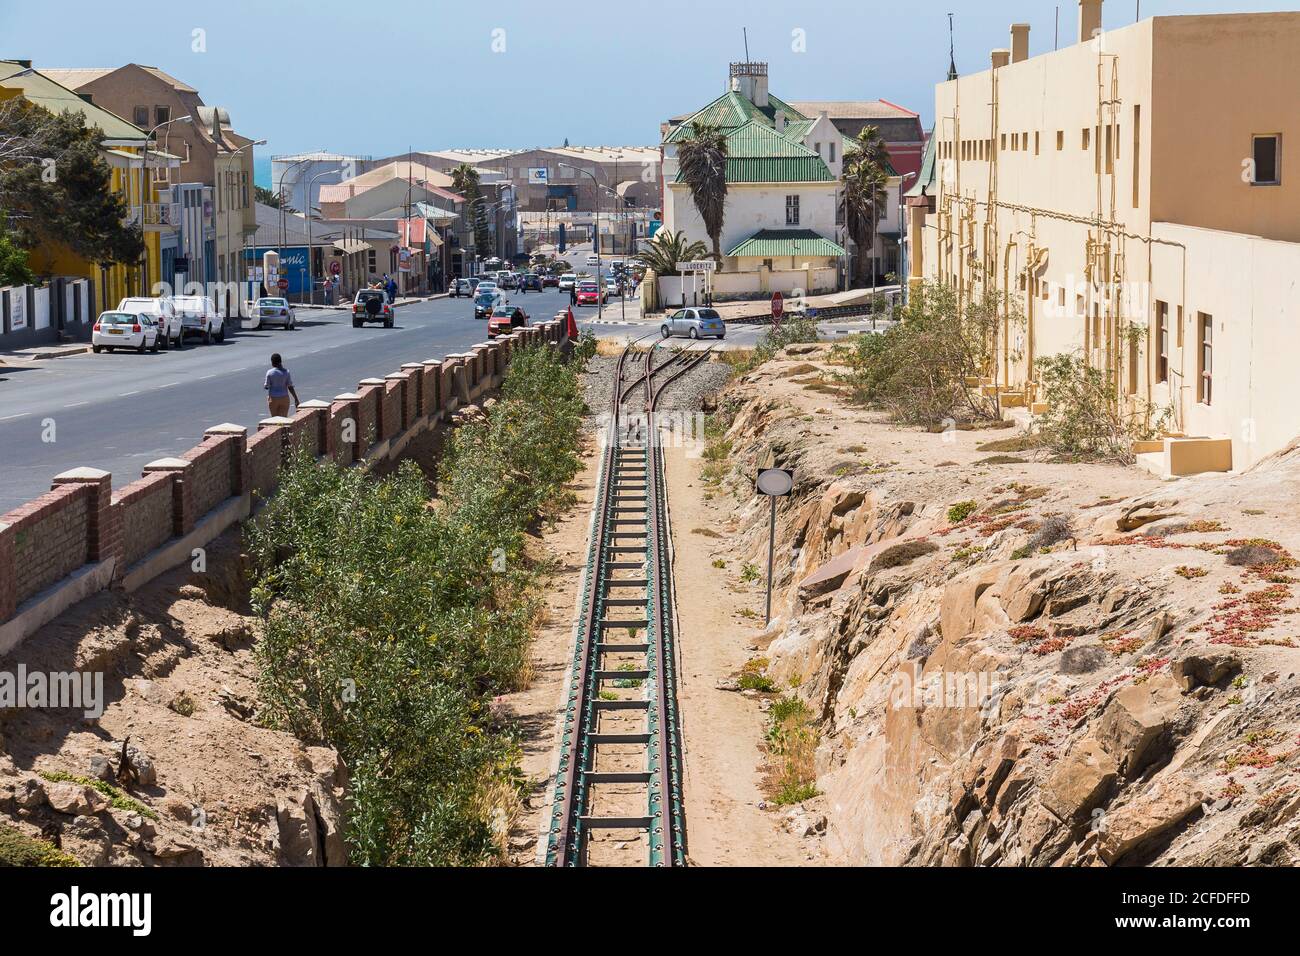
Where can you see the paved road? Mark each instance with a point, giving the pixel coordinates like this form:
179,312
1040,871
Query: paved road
119,412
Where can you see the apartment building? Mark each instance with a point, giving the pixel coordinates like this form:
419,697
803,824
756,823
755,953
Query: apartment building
1132,192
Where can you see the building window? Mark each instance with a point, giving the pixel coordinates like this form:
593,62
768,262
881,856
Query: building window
1060,140
831,147
1205,361
792,210
1003,145
371,262
1266,160
1137,145
243,187
161,114
1162,361
1086,138
140,116
1179,334
1035,142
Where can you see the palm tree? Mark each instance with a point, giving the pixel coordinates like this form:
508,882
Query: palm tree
465,181
862,202
662,253
702,158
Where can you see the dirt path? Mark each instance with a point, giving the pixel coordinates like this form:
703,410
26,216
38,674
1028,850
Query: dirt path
724,822
539,708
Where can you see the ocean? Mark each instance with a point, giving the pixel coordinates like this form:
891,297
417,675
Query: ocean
262,170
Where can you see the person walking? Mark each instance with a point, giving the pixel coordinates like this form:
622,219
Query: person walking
279,386
573,295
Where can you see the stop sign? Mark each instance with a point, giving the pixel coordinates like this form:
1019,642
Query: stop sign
778,305
283,284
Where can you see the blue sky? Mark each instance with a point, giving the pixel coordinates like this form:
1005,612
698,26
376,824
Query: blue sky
372,78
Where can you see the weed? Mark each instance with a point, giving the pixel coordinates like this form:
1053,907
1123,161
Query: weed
119,800
961,511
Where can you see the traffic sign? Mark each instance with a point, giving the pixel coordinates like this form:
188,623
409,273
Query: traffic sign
283,284
335,267
778,305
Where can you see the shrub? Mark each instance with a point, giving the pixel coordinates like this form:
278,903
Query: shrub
917,369
389,625
791,748
961,511
1084,418
794,331
18,849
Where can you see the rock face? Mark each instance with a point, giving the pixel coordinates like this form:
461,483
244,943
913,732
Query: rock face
985,699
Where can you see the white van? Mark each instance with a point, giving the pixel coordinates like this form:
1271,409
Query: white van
163,309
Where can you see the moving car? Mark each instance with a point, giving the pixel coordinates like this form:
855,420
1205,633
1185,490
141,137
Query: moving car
505,319
550,281
695,323
567,281
531,281
199,316
124,330
593,259
486,285
163,311
274,310
506,280
592,293
371,305
486,302
461,287
473,284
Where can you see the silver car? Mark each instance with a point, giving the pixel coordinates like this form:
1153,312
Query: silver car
696,323
273,310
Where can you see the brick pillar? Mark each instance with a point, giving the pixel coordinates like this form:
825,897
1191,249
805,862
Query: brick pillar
324,434
404,385
182,491
104,535
378,386
415,375
240,481
432,386
353,401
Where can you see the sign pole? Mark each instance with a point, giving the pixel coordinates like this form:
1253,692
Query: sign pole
771,555
775,483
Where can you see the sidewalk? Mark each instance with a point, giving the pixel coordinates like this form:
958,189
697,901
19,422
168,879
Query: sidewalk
55,350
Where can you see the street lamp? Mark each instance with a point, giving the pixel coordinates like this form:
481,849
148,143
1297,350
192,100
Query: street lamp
595,235
229,257
280,193
144,172
311,272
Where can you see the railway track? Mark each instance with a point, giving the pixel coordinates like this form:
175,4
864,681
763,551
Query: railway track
618,791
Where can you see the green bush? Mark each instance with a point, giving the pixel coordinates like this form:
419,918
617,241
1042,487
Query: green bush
1085,419
17,849
794,331
961,511
390,624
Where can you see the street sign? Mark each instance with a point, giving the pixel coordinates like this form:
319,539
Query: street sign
283,285
778,305
335,267
702,265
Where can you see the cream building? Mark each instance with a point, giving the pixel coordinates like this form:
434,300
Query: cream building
1133,190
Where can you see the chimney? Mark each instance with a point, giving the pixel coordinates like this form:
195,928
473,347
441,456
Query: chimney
780,121
1001,58
1089,19
749,79
1019,42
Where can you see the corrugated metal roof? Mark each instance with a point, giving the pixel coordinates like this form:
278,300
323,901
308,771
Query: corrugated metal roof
853,109
769,243
38,88
925,178
757,153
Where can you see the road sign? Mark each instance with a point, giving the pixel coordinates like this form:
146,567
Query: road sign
335,267
283,285
775,483
702,265
778,305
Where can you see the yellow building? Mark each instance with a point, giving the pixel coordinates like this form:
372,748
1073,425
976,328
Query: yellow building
1132,192
124,151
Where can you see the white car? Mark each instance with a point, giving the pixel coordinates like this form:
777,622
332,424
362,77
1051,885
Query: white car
593,259
124,330
199,316
273,310
163,310
487,285
568,281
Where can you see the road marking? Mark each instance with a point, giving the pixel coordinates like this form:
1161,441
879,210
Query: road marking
8,417
204,378
129,394
168,385
76,404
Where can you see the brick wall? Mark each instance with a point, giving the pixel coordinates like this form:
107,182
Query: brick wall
145,507
50,539
82,521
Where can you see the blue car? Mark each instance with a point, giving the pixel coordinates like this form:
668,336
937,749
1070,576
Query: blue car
694,323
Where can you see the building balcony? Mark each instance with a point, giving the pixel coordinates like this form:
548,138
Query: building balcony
158,216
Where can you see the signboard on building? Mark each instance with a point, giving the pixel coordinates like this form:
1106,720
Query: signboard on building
538,175
18,308
404,260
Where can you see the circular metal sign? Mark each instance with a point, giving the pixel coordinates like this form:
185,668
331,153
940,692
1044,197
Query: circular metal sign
776,482
778,305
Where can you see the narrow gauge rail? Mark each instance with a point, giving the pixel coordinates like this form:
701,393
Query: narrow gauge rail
618,791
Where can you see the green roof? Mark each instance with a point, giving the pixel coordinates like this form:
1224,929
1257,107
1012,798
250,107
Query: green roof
769,243
757,153
731,110
925,178
38,88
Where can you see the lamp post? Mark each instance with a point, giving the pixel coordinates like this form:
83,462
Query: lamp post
280,193
234,274
311,272
595,234
144,172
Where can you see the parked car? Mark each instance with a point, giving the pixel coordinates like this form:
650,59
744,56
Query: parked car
486,302
505,319
568,281
164,314
695,323
590,292
593,259
124,330
506,280
371,305
199,316
461,287
274,310
531,281
473,284
550,281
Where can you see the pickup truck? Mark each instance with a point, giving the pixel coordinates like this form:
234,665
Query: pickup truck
199,316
